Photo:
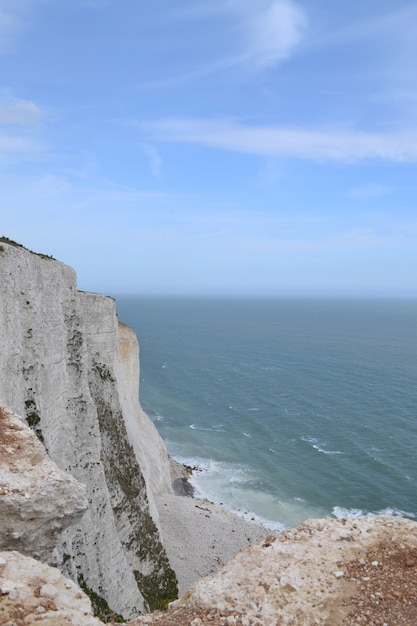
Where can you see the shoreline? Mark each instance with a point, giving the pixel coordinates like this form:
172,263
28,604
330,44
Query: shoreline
200,536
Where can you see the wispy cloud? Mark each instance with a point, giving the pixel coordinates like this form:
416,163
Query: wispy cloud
154,159
260,33
19,144
13,19
271,30
19,148
18,112
395,27
368,191
316,144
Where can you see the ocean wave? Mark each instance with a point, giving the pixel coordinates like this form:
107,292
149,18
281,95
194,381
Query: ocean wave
341,512
197,464
216,428
317,445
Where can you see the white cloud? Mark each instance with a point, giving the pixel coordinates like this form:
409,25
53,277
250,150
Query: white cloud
317,145
19,145
271,30
20,112
261,33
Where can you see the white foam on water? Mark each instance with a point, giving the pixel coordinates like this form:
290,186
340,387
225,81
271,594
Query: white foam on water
341,512
317,445
236,487
216,428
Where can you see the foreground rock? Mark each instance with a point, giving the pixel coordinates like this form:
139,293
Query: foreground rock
326,572
37,499
34,593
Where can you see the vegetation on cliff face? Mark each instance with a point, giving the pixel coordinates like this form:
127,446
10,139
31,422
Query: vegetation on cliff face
10,242
59,371
100,607
33,418
156,580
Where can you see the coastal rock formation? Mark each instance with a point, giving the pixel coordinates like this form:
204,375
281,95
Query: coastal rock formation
34,593
37,499
71,370
326,572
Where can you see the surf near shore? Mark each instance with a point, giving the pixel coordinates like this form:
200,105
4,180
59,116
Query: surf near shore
200,536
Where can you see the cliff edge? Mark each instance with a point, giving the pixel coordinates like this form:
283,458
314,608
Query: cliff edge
71,370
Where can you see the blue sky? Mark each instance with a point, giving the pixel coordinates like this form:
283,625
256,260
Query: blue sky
213,146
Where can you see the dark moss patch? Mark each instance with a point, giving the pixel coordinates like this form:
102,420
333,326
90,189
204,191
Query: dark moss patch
147,586
100,607
10,242
103,371
128,496
33,419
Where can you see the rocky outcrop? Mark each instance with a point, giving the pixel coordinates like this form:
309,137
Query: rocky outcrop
37,499
326,572
34,593
71,370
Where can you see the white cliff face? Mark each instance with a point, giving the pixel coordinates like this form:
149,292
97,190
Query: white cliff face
72,371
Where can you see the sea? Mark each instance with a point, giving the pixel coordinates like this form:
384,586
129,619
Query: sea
286,408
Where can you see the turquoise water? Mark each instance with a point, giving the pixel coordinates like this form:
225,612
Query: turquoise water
291,408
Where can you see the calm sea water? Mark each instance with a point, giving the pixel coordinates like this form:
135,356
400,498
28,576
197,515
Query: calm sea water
292,408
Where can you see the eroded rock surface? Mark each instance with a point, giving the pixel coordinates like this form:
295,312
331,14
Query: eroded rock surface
34,593
326,572
72,371
37,499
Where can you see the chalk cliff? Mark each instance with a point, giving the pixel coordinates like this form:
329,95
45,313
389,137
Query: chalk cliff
71,370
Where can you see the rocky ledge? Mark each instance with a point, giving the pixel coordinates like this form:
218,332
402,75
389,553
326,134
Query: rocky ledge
327,572
34,593
37,499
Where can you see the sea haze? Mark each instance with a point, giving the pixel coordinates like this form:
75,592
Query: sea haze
291,408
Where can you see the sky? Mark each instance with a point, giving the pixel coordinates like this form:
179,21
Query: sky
239,147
